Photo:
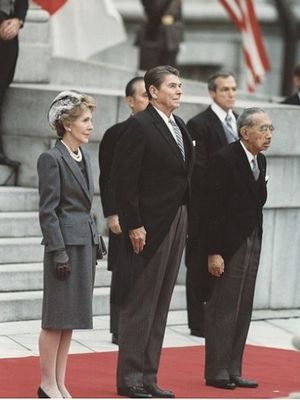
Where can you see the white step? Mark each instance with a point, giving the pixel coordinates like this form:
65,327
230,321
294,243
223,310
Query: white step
29,276
7,175
23,306
18,199
19,224
18,250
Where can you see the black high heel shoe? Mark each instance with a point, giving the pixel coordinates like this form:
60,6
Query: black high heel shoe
41,394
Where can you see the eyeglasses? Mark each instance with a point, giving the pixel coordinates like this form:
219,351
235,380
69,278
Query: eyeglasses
266,128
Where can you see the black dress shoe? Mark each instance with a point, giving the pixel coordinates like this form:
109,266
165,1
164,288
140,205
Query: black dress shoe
115,338
41,394
197,332
134,392
220,383
10,163
240,382
155,391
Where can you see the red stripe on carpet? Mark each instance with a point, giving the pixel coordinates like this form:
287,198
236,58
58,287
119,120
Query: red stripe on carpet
93,374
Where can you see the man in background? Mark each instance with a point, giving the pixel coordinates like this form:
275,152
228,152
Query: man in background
294,99
137,100
161,33
12,17
210,130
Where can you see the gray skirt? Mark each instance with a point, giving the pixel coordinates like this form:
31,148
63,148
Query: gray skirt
69,304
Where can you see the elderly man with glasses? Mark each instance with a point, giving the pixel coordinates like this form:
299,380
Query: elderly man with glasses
237,192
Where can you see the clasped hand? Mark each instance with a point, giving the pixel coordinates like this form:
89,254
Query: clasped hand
9,28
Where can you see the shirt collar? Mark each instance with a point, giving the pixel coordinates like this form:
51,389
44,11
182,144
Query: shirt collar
163,115
249,155
221,114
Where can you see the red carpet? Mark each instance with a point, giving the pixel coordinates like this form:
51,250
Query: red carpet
93,374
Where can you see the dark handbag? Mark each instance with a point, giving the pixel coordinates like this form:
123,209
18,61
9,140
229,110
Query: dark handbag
101,249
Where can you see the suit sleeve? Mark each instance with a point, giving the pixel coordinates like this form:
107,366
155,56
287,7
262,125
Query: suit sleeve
49,190
216,193
20,9
126,174
106,153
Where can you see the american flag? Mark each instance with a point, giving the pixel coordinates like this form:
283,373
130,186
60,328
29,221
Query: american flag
243,15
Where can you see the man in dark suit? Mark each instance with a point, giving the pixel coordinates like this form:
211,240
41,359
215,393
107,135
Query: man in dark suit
152,190
210,131
294,99
12,17
236,192
137,100
161,33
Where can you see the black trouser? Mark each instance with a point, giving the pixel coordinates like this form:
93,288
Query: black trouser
228,312
9,50
112,259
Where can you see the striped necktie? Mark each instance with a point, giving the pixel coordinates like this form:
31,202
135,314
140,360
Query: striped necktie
230,129
178,135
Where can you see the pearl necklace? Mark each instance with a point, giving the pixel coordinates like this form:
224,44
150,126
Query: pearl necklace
77,157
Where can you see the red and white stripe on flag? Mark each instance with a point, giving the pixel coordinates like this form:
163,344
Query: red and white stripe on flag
82,28
243,15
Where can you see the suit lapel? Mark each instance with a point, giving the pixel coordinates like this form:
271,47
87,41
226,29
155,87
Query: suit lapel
217,127
244,168
89,174
188,144
165,132
75,170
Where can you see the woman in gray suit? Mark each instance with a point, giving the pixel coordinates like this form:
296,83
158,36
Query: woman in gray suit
69,236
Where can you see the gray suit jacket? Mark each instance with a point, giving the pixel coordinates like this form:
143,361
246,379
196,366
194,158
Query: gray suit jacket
65,200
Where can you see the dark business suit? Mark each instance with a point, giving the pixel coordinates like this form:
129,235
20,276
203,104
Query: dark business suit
294,99
152,189
207,131
106,154
159,39
235,233
9,50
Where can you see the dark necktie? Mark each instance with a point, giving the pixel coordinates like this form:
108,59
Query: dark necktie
178,135
255,169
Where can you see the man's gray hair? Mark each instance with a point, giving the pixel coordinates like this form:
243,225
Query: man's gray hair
246,117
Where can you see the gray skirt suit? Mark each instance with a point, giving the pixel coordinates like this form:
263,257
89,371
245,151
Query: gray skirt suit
66,223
